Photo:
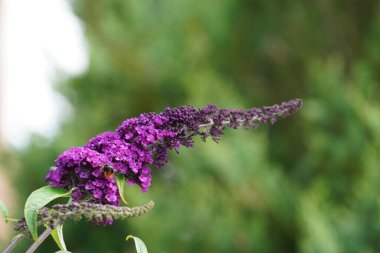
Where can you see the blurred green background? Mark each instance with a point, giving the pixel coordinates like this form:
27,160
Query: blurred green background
309,183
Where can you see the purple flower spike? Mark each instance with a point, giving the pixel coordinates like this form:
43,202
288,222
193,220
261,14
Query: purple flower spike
142,143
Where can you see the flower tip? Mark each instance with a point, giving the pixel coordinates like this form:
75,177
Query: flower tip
150,204
298,102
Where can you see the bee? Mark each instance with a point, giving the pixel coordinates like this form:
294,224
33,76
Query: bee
108,171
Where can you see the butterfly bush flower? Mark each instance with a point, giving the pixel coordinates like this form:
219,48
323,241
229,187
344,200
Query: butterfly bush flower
82,168
130,159
142,143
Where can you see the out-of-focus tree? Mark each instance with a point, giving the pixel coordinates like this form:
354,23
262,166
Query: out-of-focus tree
306,184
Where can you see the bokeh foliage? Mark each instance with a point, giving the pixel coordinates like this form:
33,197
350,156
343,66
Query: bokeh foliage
306,184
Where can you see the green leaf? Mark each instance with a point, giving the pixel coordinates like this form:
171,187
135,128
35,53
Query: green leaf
38,199
4,211
63,251
57,235
17,236
120,181
140,245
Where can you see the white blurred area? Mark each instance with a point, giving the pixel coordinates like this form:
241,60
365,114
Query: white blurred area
38,38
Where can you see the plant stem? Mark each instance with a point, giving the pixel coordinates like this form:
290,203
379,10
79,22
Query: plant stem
40,239
10,219
226,122
13,243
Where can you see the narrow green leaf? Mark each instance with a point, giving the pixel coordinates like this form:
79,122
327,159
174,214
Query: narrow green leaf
11,219
140,245
57,235
38,199
17,236
4,211
120,181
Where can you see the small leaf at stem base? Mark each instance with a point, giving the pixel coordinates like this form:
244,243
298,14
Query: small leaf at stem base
57,235
140,245
4,211
120,181
38,199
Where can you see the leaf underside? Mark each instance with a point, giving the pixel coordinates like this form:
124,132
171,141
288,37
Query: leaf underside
57,235
38,199
120,182
140,245
4,211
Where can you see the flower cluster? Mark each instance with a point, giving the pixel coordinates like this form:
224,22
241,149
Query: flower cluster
98,213
82,167
140,144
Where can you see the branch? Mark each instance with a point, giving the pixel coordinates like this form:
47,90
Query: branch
16,240
40,239
227,122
